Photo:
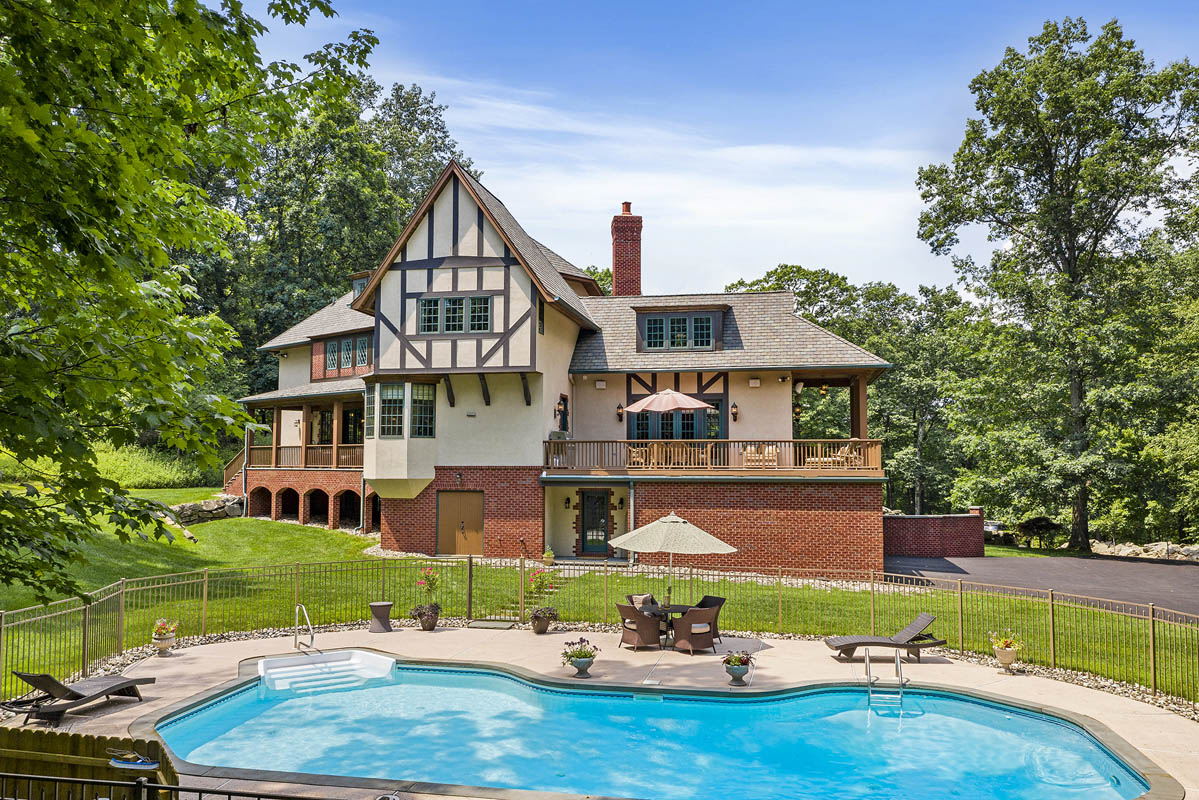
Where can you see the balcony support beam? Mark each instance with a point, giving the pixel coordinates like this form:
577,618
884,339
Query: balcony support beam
305,435
275,436
337,432
483,386
857,407
449,390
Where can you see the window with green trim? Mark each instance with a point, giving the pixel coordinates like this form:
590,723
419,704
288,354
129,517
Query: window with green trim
391,409
701,331
359,286
424,410
347,353
364,350
678,333
427,315
480,315
453,315
368,412
655,333
330,356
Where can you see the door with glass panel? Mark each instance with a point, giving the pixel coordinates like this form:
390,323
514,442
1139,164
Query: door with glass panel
595,522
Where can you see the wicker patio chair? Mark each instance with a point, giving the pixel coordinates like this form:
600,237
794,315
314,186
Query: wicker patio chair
638,628
712,601
695,630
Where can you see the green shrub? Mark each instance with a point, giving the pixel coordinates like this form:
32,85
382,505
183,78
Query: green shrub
132,467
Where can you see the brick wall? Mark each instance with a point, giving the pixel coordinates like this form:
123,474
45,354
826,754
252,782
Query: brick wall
951,535
513,507
319,372
626,253
332,482
793,525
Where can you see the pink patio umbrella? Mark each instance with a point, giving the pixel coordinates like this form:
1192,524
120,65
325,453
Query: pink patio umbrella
666,400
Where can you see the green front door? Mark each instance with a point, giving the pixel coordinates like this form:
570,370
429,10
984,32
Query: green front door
595,521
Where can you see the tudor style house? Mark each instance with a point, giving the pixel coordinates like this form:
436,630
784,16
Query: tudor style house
468,395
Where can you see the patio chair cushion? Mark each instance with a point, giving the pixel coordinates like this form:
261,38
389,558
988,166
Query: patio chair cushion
642,600
628,623
700,627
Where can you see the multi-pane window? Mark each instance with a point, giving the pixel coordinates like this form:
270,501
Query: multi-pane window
391,409
453,315
686,424
347,353
424,410
701,332
480,314
712,421
368,416
359,286
364,350
641,426
427,315
655,333
330,356
666,425
678,332
324,427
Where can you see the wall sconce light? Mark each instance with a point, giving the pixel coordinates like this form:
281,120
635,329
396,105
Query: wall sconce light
784,378
620,412
558,409
824,389
733,411
566,503
620,503
282,354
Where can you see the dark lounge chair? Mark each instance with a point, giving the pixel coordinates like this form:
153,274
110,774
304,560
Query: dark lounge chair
912,639
638,628
57,698
695,630
712,601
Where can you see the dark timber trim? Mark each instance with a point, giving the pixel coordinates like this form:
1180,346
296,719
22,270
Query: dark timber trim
430,217
524,384
449,390
455,261
483,386
479,244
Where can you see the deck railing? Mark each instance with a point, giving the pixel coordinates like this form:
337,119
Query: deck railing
313,456
234,466
634,455
349,456
1131,642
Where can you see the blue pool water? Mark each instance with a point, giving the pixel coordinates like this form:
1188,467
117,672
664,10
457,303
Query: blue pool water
483,728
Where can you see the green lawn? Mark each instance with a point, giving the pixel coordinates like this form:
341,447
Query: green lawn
224,543
173,497
1026,552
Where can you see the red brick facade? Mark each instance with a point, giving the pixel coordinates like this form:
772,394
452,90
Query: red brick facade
513,509
828,526
953,535
626,253
318,360
266,488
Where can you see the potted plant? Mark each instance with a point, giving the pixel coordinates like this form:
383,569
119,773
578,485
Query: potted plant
427,612
547,557
542,617
1006,646
163,635
580,655
737,665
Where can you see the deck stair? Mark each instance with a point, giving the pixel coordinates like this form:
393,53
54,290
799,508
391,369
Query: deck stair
322,672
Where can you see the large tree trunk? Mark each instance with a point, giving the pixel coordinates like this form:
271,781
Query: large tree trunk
1080,527
917,481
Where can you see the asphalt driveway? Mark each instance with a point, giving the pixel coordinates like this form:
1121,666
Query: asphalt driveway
1169,584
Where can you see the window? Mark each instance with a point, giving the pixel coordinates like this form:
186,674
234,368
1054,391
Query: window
424,410
364,350
368,416
391,409
347,353
330,356
351,426
712,420
480,314
701,332
678,332
686,424
540,315
640,426
655,333
324,427
453,317
427,315
359,286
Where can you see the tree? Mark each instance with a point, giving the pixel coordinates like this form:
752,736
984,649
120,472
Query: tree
1071,154
104,118
603,276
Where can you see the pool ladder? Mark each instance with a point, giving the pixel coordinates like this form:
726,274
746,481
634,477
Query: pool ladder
296,643
885,699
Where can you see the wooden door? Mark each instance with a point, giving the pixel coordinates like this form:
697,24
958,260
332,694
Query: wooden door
460,523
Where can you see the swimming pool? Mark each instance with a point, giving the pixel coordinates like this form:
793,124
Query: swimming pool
486,728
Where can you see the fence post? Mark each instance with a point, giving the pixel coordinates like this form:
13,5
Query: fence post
470,587
3,664
872,625
521,592
780,594
383,580
1052,634
204,606
140,790
120,618
295,586
691,581
604,612
83,650
961,621
1153,648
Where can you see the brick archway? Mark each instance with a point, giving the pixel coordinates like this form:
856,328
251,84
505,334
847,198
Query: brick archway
259,502
287,504
346,510
316,507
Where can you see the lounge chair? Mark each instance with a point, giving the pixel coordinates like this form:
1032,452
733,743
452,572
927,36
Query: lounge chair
912,639
57,698
638,628
695,630
712,601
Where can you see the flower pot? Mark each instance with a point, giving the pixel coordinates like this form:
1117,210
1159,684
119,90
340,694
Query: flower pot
737,672
547,561
163,643
582,665
428,622
540,624
1006,656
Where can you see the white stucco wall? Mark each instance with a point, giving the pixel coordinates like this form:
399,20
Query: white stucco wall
296,368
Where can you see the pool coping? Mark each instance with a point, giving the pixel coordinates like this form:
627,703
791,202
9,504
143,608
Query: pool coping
1162,785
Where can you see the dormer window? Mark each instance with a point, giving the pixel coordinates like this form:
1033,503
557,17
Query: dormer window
359,286
684,329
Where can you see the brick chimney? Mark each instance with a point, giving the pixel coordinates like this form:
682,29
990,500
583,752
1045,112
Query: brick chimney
626,252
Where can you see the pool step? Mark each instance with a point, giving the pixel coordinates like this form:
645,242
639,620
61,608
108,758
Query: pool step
324,671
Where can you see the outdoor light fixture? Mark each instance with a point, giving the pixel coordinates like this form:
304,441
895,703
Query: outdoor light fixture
824,389
620,503
733,411
558,409
784,378
566,503
619,412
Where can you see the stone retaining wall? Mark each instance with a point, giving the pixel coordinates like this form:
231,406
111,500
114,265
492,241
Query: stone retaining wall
218,507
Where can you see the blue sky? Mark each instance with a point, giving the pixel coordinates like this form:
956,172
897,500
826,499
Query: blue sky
745,134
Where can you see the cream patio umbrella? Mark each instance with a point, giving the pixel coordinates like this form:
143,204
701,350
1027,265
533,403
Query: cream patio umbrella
671,534
666,400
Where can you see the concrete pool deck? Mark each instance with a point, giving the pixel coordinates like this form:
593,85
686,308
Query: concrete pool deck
1171,741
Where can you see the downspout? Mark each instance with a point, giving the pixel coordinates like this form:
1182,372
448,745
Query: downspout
245,467
362,505
629,523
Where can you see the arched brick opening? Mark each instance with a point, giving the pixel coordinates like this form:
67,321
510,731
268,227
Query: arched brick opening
260,502
289,504
349,509
316,507
373,522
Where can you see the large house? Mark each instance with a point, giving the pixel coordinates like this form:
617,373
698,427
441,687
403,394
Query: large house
468,396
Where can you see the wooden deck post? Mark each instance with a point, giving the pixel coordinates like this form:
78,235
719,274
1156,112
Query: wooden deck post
275,436
337,432
857,407
305,435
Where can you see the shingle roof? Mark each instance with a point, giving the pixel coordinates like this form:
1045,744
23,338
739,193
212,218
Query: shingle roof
559,263
533,254
335,318
340,386
761,331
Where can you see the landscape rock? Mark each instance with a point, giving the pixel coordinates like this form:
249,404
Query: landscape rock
1163,550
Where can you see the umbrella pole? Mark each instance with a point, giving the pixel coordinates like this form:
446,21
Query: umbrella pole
669,577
